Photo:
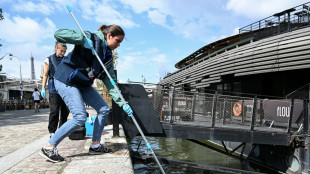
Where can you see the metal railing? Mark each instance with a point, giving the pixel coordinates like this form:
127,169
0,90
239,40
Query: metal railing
9,105
288,20
227,111
300,93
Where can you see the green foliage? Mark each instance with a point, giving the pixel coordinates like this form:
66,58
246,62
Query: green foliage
1,16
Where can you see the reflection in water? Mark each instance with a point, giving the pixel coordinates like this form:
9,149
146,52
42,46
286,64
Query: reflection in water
181,150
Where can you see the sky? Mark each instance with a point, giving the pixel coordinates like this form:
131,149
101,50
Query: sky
159,33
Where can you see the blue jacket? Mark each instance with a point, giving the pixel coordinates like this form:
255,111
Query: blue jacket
81,67
53,63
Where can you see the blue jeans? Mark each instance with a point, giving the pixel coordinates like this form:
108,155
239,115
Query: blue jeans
74,98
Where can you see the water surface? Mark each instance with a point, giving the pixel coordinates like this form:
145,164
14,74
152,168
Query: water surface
181,150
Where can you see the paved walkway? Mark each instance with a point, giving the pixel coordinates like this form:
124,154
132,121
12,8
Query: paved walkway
23,133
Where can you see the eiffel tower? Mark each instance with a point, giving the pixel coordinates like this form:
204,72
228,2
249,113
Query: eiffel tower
33,74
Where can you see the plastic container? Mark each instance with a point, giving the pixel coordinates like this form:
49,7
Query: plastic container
89,125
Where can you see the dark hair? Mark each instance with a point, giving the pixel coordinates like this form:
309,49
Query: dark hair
115,30
35,89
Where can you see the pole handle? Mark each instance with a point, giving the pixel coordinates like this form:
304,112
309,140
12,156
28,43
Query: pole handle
120,95
68,8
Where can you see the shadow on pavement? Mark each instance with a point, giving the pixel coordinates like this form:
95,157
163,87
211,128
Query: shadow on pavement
22,117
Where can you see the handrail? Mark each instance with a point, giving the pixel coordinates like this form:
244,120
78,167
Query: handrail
276,20
214,110
297,90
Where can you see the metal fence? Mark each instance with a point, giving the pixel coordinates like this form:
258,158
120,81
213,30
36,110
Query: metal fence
234,112
288,20
8,105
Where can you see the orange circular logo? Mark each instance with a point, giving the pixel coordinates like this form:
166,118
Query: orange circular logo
237,109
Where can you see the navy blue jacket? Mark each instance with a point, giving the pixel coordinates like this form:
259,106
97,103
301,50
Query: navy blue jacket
81,67
53,63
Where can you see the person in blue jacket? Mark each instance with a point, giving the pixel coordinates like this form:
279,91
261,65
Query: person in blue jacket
56,102
73,79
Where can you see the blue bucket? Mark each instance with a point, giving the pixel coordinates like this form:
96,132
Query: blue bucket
89,125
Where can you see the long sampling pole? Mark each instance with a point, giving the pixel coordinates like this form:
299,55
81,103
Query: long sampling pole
122,98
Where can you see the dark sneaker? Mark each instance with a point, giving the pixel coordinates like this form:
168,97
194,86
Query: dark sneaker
51,155
99,150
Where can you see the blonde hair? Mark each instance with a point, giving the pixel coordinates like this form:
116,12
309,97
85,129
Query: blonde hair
57,44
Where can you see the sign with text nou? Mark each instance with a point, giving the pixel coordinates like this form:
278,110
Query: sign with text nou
279,110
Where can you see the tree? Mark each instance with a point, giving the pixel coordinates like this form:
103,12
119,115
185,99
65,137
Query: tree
1,18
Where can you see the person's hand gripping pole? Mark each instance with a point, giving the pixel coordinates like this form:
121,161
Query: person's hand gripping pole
125,106
128,109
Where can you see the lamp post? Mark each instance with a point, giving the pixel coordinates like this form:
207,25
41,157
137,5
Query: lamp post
20,73
5,55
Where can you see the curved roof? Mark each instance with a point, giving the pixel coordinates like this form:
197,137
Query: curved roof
278,23
207,49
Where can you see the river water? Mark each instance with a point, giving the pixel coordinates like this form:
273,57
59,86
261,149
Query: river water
182,150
